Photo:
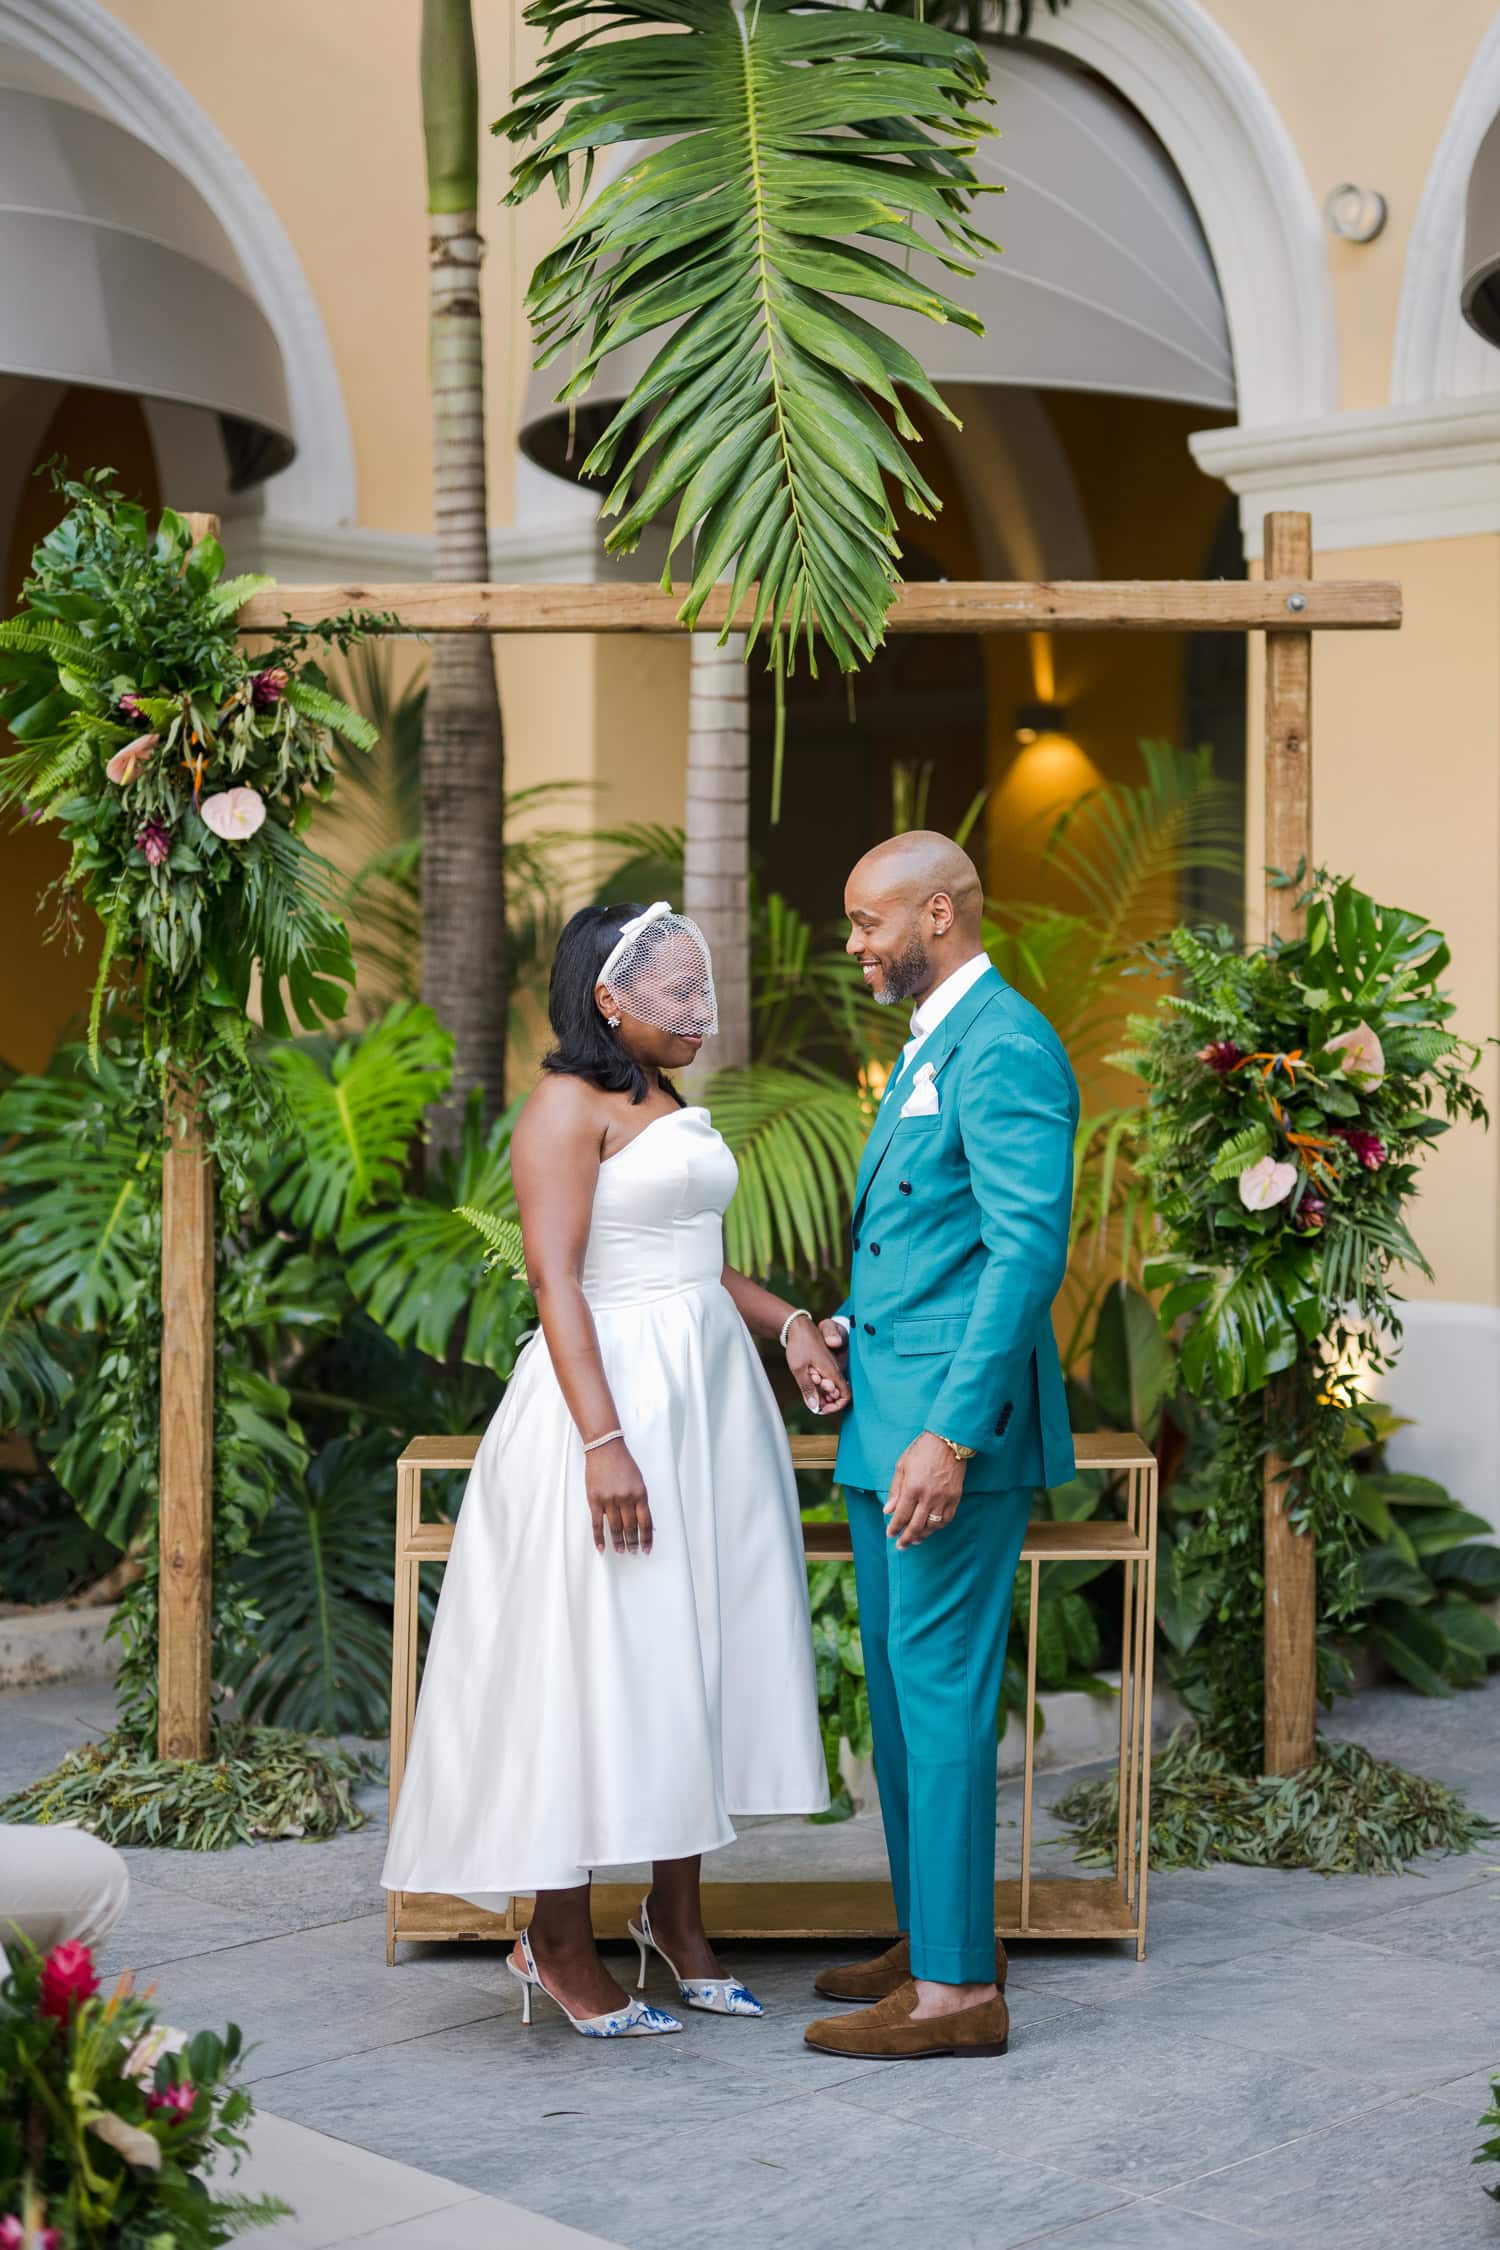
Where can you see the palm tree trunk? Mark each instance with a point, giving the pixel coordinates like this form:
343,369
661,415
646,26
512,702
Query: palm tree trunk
716,876
464,960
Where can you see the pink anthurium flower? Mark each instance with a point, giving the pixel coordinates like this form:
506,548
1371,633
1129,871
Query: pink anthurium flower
127,763
1364,1059
234,813
1266,1183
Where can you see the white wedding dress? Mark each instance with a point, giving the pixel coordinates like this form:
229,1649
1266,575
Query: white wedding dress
581,1711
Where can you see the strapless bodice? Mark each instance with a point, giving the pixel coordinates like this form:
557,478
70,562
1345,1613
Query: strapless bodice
658,1219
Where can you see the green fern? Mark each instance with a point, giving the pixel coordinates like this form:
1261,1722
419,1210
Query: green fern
63,643
1247,1147
316,703
502,1237
231,596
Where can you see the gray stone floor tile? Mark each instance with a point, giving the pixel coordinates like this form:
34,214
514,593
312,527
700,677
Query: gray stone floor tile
306,1998
1137,2106
1397,2178
814,2173
1459,1928
1150,2226
1398,2024
161,1925
1471,2092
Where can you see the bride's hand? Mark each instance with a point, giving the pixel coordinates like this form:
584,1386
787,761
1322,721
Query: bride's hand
617,1497
818,1374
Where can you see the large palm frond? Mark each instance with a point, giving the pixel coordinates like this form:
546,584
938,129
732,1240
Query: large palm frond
797,1137
783,143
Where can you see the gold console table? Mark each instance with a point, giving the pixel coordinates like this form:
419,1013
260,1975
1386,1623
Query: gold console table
1047,1906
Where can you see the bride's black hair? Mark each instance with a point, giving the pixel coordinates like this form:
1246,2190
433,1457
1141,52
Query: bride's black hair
586,1047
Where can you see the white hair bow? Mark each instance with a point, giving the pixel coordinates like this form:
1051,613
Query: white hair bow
630,931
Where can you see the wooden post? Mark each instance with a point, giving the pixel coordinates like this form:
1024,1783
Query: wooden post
1290,1567
187,1415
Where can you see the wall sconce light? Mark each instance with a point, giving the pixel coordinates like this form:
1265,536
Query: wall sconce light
1354,214
1036,719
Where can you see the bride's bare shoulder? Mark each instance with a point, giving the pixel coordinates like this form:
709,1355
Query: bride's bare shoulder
563,1113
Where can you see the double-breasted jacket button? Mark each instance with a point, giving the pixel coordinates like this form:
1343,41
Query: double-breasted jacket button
874,1249
869,1327
856,1242
904,1186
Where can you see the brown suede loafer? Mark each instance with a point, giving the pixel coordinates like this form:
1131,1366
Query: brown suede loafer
873,1980
889,2032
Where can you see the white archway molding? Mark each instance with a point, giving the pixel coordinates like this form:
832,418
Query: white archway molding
111,69
1241,168
1437,355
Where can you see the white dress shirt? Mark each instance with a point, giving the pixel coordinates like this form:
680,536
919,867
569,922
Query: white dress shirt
929,1013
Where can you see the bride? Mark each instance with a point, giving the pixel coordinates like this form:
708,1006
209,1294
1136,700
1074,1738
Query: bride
621,1657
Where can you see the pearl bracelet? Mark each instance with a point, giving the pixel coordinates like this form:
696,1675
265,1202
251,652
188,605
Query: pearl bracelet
607,1439
801,1313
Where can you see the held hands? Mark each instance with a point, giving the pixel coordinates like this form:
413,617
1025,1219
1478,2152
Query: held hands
617,1497
925,1491
818,1373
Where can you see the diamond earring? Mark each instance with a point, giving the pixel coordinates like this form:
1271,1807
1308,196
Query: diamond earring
613,1022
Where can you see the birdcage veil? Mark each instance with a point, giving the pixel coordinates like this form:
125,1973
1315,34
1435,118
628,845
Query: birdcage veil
660,971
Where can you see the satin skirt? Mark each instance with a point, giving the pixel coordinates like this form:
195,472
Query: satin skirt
581,1711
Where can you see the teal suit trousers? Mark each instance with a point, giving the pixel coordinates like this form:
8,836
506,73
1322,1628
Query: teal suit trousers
933,1625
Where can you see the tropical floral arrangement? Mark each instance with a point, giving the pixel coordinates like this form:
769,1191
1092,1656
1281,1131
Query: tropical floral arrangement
178,766
1292,1091
108,2121
182,772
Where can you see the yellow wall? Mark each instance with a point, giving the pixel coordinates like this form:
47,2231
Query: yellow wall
1365,91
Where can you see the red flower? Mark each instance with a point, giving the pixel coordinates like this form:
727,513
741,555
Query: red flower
129,708
68,1976
1368,1147
1221,1055
155,841
177,2100
1310,1212
267,688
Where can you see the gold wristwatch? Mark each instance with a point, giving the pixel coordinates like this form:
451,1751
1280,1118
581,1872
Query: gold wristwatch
959,1452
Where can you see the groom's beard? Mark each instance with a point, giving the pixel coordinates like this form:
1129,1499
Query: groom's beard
906,976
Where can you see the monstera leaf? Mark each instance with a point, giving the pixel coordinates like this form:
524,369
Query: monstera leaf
419,1268
353,1117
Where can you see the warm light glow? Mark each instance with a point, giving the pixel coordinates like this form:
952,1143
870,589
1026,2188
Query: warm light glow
872,1082
1050,772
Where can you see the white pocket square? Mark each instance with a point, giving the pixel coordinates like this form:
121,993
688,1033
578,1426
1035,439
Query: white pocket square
922,1101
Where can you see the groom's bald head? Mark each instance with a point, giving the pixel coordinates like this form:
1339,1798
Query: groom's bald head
916,911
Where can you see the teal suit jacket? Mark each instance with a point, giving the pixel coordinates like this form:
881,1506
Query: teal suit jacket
960,1243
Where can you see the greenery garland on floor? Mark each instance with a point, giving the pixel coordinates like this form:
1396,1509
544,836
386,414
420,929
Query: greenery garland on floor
1349,1814
182,772
261,1782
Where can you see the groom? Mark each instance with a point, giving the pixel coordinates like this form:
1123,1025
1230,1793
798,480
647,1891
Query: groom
960,1231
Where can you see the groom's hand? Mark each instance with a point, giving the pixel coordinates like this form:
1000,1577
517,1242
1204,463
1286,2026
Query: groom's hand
835,1335
925,1491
